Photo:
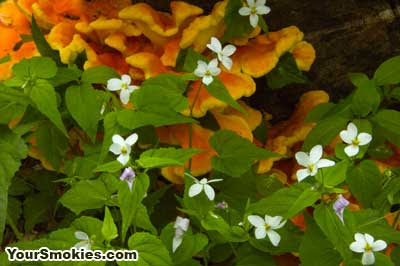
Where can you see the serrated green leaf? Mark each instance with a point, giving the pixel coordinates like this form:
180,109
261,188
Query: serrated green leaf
157,158
84,103
151,250
45,99
35,67
99,75
235,154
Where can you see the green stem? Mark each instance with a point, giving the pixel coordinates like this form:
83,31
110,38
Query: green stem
233,249
376,220
14,228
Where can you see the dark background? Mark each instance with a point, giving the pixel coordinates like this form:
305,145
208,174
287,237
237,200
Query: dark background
348,35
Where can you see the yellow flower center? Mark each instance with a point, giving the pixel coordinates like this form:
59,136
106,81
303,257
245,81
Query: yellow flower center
124,86
208,73
267,226
253,10
124,150
311,167
356,142
368,248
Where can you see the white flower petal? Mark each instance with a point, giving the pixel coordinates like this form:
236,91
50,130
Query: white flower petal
302,158
244,11
302,174
357,247
207,80
215,45
182,223
201,69
114,84
209,192
83,244
213,64
360,238
254,20
369,239
115,148
261,2
260,233
364,139
176,242
379,245
81,235
229,50
263,10
352,130
368,258
251,3
132,139
118,139
126,79
351,150
215,180
123,158
272,221
325,163
346,137
124,96
215,71
274,237
316,154
227,62
256,220
195,189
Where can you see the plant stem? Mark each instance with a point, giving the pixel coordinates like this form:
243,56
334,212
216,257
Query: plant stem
14,228
233,249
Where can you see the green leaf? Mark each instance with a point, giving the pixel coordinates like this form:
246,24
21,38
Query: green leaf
12,150
41,43
339,235
151,250
12,103
129,200
38,208
109,229
111,127
99,75
199,205
249,256
187,61
318,112
263,25
110,167
334,175
306,199
35,67
366,98
66,75
51,143
388,72
285,73
5,59
236,25
325,131
364,182
235,154
389,122
218,90
315,248
84,103
281,201
95,192
143,221
156,117
45,99
157,158
214,222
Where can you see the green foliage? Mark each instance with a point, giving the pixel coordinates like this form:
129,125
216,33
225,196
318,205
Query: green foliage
387,72
157,158
109,229
236,25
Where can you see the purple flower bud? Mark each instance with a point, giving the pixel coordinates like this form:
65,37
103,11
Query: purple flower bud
128,176
222,205
340,204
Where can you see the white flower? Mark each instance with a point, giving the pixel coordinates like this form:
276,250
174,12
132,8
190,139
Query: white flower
181,226
223,54
201,185
312,162
207,71
85,242
351,137
123,85
365,244
254,9
267,226
122,147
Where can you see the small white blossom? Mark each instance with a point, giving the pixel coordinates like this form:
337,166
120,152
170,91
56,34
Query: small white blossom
222,53
122,85
85,243
351,137
312,162
122,147
254,9
181,226
207,71
267,226
201,185
365,244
